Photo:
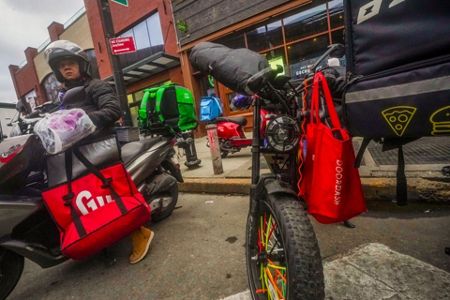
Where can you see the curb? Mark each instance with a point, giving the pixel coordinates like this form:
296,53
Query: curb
430,190
215,185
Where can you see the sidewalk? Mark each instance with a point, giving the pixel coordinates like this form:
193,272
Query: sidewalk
375,271
424,158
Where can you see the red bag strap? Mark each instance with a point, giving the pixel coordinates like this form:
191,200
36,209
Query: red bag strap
106,181
335,122
314,111
69,197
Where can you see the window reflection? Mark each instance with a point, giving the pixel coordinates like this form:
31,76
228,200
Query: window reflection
338,37
51,86
128,33
148,38
147,33
305,23
141,36
233,41
154,30
306,35
265,37
336,10
304,54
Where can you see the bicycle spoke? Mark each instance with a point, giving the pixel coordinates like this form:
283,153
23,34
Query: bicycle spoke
271,281
269,226
272,273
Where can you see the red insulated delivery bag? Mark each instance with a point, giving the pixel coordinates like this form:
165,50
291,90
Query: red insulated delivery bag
96,209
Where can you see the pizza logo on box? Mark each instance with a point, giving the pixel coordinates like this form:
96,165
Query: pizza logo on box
399,117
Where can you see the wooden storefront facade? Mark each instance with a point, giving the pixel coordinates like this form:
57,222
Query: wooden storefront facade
292,33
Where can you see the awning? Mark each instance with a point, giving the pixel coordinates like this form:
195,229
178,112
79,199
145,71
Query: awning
147,67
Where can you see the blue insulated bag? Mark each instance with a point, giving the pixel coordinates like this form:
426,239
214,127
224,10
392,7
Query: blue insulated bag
210,108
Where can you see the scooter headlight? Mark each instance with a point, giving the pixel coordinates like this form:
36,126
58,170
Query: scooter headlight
282,134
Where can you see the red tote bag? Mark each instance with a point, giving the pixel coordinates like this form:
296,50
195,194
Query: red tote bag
307,146
330,185
95,210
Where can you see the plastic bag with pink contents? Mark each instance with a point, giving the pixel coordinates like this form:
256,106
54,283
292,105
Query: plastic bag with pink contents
60,130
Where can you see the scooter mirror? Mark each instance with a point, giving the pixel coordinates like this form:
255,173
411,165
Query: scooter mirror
73,94
19,106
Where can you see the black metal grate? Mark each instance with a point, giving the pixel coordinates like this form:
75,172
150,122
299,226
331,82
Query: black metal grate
430,150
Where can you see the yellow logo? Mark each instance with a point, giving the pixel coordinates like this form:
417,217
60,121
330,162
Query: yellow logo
399,117
440,120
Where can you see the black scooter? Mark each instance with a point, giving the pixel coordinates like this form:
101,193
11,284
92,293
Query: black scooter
26,228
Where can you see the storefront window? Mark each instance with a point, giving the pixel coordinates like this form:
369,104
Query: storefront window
141,36
265,37
147,33
30,99
233,41
306,22
336,9
138,95
154,30
51,86
306,36
338,37
304,54
134,108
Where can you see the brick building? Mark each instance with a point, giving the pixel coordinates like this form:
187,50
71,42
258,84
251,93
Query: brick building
290,32
156,60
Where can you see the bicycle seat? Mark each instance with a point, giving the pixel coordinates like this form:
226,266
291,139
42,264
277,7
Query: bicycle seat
236,120
133,149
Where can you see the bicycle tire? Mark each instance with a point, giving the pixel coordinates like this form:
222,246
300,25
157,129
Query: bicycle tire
303,261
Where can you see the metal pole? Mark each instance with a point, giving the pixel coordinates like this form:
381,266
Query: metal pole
117,69
214,146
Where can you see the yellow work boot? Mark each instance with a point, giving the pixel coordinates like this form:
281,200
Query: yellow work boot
140,240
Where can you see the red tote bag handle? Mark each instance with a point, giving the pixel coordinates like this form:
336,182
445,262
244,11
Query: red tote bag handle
319,78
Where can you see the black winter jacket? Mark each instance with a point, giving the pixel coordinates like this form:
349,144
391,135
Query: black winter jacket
100,103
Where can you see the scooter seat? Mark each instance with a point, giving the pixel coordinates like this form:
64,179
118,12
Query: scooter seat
237,120
131,150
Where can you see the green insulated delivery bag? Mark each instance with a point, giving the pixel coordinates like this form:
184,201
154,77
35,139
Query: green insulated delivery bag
171,105
398,57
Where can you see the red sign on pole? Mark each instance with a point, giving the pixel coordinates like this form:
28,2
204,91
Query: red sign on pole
122,45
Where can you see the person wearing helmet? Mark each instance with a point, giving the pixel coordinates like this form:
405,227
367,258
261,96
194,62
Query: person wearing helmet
71,67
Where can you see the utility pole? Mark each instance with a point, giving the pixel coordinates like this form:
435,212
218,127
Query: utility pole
117,69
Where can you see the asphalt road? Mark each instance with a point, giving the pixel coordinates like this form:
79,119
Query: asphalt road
198,253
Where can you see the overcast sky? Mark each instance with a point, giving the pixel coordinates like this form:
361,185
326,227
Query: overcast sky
24,24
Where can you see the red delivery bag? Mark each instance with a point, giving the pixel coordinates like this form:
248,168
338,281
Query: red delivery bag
96,209
330,185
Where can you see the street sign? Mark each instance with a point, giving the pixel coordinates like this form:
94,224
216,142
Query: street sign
122,45
121,2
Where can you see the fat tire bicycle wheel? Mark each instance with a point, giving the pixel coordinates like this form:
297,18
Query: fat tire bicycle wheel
282,254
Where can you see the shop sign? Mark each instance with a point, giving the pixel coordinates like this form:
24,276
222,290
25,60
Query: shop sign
122,45
303,68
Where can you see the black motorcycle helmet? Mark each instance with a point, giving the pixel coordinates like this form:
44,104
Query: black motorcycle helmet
63,49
